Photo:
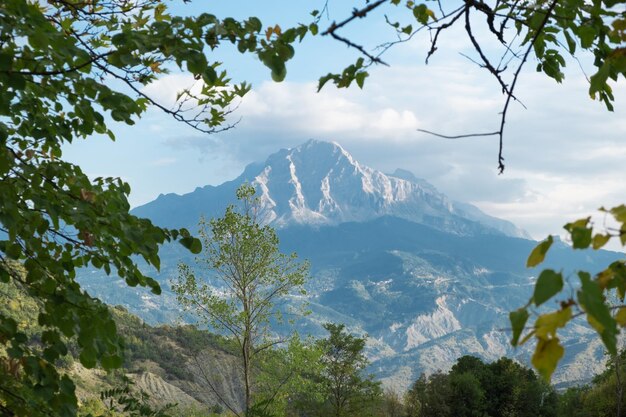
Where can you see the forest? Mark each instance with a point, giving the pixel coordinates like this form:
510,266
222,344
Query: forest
160,358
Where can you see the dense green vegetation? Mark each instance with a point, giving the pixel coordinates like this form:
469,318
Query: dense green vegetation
604,396
57,63
506,388
313,377
473,388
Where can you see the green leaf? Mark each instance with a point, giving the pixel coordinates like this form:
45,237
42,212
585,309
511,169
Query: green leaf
619,212
599,240
547,286
592,301
571,43
422,13
278,67
581,238
192,244
587,35
111,362
210,75
538,254
580,233
88,358
13,251
360,78
518,320
196,62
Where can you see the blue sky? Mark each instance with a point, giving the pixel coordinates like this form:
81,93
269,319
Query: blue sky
564,153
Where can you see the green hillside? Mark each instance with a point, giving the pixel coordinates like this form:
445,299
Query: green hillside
163,362
169,368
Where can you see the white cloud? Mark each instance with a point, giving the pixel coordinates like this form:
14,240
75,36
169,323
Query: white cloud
164,90
297,108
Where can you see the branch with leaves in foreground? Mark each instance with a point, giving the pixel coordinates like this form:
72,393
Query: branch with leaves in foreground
594,299
57,62
504,37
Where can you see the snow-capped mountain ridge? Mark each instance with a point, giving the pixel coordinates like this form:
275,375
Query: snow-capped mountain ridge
427,278
320,183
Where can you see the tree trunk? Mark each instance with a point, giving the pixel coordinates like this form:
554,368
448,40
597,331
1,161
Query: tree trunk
246,374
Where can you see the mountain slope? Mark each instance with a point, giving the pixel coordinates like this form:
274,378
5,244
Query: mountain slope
424,296
428,279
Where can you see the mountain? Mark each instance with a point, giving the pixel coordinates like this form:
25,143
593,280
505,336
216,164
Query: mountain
319,183
426,297
426,278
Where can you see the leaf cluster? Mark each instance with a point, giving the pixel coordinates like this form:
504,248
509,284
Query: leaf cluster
595,298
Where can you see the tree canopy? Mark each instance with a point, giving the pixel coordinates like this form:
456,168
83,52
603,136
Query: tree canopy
474,388
345,386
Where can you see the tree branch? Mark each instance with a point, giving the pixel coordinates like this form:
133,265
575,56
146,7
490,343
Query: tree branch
356,13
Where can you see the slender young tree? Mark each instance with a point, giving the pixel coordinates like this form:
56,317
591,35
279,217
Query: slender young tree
244,257
348,390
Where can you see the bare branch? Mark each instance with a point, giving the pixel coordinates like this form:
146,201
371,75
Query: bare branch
433,44
356,13
515,77
469,135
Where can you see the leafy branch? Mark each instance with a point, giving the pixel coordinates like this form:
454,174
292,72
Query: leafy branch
592,299
534,28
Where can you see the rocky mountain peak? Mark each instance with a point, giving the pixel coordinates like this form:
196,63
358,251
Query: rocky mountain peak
320,183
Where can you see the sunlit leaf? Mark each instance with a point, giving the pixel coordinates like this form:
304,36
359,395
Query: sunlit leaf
599,240
547,355
538,254
547,324
620,316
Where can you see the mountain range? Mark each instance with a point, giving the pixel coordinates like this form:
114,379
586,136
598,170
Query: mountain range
427,279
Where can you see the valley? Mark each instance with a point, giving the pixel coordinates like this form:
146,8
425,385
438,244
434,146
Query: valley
392,258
